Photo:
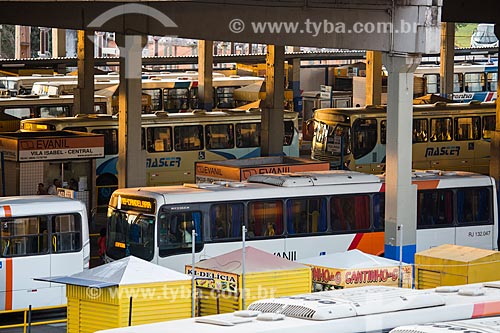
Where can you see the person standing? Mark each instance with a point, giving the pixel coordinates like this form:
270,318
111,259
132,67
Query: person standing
52,190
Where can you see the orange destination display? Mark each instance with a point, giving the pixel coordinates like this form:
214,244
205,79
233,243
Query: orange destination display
355,269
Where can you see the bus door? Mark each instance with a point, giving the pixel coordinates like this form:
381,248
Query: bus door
435,217
482,151
447,149
66,244
25,255
366,148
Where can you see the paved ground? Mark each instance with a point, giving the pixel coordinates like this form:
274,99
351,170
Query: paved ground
54,328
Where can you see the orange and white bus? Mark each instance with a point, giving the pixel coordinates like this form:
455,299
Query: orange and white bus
286,213
40,237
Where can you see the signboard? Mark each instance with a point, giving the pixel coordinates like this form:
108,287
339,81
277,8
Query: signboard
207,171
221,281
66,193
49,146
348,278
60,148
325,91
146,205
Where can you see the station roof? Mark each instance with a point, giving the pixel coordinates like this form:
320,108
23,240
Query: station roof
126,271
255,261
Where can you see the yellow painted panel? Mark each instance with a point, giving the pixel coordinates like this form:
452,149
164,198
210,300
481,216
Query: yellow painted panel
455,265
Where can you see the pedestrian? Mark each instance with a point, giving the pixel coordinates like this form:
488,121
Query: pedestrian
41,189
101,243
52,190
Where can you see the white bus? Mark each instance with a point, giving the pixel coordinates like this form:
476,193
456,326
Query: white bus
174,142
295,216
41,236
172,94
14,109
471,82
476,325
356,310
21,85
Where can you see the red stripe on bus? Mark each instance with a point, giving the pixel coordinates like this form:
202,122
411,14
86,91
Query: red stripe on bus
486,309
8,284
7,211
355,241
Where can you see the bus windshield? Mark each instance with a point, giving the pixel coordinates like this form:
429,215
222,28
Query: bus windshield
130,234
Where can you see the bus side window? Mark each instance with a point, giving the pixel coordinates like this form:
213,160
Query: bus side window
420,130
159,139
23,236
219,136
110,140
188,137
267,217
66,233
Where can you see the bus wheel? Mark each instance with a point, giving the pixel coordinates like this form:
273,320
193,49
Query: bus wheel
106,185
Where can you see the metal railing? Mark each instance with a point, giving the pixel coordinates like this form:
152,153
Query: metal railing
28,316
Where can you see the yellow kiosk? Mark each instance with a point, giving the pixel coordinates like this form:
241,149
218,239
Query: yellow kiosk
451,265
220,281
127,291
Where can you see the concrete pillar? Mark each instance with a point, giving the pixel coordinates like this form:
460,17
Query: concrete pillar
297,97
271,134
205,64
373,78
447,59
84,93
131,164
495,138
98,43
58,43
59,47
400,194
23,42
44,42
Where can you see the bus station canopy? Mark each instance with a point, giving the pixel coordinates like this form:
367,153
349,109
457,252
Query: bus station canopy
126,271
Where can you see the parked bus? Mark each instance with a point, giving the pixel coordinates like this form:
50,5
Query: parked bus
470,82
173,94
41,236
174,142
453,136
285,214
21,85
476,325
14,109
355,310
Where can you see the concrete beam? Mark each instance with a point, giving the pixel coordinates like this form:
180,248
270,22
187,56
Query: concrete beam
382,25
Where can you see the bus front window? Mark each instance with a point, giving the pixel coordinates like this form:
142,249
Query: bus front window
130,234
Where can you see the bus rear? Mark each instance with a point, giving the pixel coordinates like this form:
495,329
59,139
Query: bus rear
41,236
